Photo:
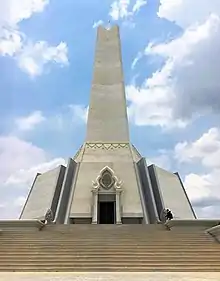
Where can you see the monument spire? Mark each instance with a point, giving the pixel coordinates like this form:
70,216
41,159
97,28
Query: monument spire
107,118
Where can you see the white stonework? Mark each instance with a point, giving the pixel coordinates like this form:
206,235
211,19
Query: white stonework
141,193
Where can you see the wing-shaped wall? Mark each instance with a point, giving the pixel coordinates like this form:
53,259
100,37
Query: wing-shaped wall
170,193
44,194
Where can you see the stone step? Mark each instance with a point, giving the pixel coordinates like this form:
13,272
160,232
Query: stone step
61,237
60,263
108,247
96,269
138,232
77,228
137,251
110,254
77,238
90,237
110,250
103,240
86,260
113,243
120,255
101,234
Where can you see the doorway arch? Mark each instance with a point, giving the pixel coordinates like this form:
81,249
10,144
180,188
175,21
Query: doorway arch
107,186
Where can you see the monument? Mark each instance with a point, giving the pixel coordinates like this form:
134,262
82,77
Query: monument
107,181
108,187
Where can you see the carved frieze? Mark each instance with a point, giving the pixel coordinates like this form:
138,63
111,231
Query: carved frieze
107,146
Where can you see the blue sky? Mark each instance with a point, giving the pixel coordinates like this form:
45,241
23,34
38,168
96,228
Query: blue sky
170,60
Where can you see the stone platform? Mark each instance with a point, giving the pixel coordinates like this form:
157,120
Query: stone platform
205,276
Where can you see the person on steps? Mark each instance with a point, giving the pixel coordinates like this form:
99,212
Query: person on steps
169,215
49,217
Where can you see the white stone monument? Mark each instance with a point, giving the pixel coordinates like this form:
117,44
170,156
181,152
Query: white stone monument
107,181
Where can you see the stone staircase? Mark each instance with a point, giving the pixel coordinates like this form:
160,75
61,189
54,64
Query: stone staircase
96,248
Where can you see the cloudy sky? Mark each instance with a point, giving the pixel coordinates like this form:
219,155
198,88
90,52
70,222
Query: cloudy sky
171,64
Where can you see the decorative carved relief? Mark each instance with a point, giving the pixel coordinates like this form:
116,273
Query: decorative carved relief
107,146
106,180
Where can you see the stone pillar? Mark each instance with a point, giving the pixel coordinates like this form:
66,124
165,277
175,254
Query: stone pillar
118,206
95,207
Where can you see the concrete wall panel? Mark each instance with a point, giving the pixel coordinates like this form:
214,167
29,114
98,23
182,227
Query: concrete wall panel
173,195
42,194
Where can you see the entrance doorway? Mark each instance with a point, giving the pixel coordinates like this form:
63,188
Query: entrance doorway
106,212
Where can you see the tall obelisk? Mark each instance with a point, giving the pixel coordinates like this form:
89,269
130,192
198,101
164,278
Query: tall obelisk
107,120
107,140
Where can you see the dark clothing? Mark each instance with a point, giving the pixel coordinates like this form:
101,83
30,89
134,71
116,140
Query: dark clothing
169,215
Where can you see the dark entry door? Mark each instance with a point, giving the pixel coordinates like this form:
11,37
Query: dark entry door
107,212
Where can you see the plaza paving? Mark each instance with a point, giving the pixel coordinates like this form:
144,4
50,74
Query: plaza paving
110,276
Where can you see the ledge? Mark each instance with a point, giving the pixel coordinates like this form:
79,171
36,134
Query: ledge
214,232
4,224
191,223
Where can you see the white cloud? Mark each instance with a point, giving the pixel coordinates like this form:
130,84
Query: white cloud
151,106
25,177
29,122
66,120
203,191
163,160
122,9
18,154
203,188
187,86
80,112
205,150
12,11
31,57
19,163
10,42
187,12
119,9
137,6
198,187
20,201
97,23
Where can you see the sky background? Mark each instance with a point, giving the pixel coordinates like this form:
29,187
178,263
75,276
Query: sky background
171,62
